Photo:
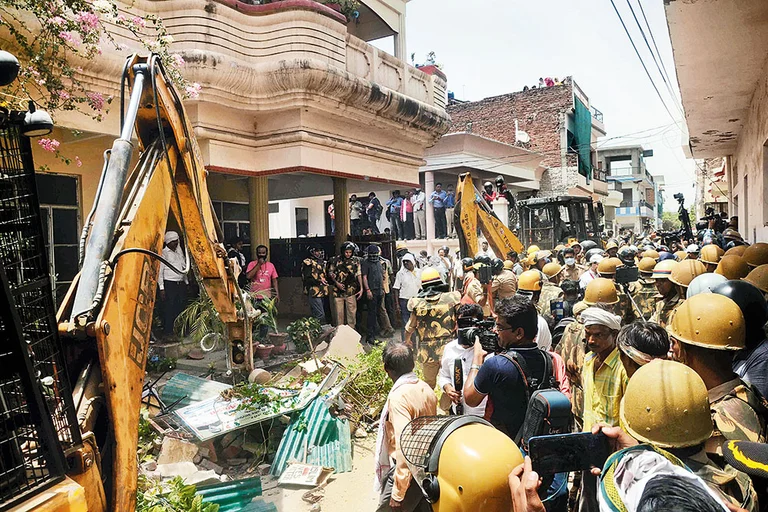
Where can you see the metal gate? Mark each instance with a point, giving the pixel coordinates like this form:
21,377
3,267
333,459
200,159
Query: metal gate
37,414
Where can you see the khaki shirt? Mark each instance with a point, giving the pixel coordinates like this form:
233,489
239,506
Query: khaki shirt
573,273
571,349
434,319
504,285
645,297
549,292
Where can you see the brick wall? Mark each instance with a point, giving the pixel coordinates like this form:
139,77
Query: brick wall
538,112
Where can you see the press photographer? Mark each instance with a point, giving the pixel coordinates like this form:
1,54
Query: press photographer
458,356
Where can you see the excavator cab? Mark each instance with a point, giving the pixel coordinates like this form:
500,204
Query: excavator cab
549,221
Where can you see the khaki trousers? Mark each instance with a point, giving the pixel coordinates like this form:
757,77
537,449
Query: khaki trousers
346,305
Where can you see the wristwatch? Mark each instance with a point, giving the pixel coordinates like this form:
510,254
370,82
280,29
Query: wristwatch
474,367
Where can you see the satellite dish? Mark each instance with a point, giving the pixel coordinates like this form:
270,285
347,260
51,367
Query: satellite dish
520,135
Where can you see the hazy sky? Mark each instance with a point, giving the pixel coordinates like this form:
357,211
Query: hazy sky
491,47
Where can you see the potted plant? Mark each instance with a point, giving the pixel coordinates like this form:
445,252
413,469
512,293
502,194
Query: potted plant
199,319
264,351
302,331
349,8
267,309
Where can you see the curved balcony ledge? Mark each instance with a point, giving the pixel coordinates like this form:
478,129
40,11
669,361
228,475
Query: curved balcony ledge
284,5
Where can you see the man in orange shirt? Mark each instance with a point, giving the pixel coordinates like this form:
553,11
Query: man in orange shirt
409,398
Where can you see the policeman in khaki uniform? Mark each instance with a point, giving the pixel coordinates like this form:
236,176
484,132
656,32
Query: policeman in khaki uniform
705,332
433,319
504,284
710,256
667,299
645,293
685,272
550,290
666,405
572,270
607,269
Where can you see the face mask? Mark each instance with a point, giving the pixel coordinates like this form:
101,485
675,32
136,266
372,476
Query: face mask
570,261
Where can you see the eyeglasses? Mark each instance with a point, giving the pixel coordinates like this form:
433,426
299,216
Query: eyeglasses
500,329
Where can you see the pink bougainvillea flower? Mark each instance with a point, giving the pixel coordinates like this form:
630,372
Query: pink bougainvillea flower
88,21
95,100
70,38
139,21
78,161
193,91
51,145
178,60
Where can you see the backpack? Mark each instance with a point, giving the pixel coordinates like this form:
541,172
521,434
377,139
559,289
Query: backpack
549,410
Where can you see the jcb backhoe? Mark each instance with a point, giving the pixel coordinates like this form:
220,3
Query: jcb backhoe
70,400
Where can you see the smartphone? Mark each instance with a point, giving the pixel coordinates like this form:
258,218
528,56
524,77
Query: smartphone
561,453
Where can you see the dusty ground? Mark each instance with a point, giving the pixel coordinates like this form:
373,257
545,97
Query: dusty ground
346,491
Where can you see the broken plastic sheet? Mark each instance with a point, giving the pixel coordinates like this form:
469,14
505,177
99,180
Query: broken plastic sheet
216,416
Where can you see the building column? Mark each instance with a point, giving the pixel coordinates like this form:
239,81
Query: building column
400,51
258,211
341,207
429,187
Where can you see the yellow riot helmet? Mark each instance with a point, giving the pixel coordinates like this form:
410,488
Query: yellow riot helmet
736,251
646,265
601,290
430,276
608,266
530,281
709,320
711,254
663,269
685,271
559,247
461,463
732,267
675,415
756,254
552,269
533,250
651,253
681,255
509,264
611,245
759,277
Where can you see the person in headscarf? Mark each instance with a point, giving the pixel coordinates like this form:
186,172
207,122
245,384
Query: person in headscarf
172,282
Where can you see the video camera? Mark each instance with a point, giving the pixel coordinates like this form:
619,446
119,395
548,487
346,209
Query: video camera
710,215
471,328
483,269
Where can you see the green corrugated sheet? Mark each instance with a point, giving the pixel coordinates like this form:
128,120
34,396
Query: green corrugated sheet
193,388
328,440
234,495
583,134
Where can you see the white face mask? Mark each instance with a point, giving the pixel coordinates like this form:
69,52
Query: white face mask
570,261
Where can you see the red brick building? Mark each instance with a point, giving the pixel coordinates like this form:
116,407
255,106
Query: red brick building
556,122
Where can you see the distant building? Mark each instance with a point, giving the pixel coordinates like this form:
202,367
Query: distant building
557,122
626,172
724,88
711,186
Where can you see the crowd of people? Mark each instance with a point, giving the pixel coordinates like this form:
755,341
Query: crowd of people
662,352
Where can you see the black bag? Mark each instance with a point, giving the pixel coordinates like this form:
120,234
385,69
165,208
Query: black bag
549,410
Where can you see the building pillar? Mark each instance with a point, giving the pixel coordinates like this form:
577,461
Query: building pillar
429,187
341,207
400,51
258,211
501,209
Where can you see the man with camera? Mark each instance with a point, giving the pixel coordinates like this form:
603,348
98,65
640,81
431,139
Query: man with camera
499,377
477,275
458,356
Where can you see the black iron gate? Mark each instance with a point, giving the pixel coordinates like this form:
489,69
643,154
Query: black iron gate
37,414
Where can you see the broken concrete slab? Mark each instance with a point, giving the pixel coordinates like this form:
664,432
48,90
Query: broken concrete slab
176,450
202,478
207,450
207,464
263,469
345,344
182,469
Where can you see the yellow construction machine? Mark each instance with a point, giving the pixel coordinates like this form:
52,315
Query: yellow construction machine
82,443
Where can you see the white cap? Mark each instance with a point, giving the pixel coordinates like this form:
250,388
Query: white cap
692,248
409,257
596,258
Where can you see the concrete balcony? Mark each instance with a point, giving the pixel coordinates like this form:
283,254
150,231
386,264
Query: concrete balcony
640,209
287,89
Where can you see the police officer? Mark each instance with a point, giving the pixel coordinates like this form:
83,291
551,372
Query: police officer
315,281
504,284
667,299
607,269
433,319
710,256
472,289
571,270
666,406
685,272
550,291
645,293
347,280
705,332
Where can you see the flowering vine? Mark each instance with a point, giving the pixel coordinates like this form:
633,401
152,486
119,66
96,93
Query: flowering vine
51,37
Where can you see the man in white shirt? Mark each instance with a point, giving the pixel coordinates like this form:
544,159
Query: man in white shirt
419,213
452,352
590,274
173,285
485,250
407,285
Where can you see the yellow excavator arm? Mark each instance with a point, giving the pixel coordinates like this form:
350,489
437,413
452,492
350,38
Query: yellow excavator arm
471,212
110,304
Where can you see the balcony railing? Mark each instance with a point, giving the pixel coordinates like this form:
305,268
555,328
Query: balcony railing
638,208
597,114
599,174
